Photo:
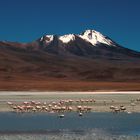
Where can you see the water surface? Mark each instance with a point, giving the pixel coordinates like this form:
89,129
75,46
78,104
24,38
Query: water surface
109,123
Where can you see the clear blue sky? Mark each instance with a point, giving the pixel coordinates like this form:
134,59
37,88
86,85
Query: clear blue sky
27,20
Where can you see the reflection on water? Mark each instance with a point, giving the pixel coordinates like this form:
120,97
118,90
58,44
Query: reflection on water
49,126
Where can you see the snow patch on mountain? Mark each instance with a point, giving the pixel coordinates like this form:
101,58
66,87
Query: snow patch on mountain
47,38
67,38
95,37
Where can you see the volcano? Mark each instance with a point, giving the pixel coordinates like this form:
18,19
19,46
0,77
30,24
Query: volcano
86,61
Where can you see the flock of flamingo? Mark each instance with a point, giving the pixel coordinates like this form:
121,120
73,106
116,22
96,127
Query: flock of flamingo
81,106
53,107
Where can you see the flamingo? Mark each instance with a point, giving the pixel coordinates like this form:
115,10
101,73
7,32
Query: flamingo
77,101
104,102
122,108
112,107
82,101
80,114
43,108
138,99
63,108
133,105
94,100
38,108
9,103
46,109
79,108
90,100
25,103
14,108
70,101
116,110
29,108
88,109
33,102
61,116
34,110
70,108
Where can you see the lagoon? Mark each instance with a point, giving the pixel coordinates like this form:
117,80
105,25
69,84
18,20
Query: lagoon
106,123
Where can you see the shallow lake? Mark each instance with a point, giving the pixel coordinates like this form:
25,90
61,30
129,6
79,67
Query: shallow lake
107,123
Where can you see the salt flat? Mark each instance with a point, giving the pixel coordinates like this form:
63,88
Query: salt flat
103,99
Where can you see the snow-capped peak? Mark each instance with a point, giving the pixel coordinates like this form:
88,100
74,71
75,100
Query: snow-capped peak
90,36
67,38
95,37
47,38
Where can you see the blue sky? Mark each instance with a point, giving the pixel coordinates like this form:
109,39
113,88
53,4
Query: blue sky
27,20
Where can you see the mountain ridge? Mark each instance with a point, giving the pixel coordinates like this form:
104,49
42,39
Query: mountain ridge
86,58
89,38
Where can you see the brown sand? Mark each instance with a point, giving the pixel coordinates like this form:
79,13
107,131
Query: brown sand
64,85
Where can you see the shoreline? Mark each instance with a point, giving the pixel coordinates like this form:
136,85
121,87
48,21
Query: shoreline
67,92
